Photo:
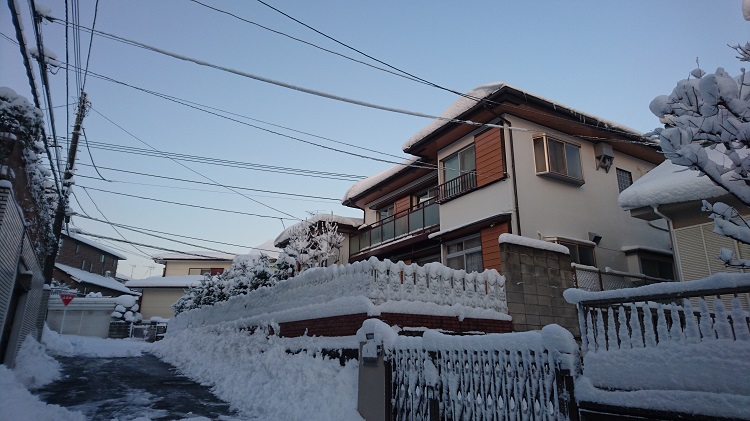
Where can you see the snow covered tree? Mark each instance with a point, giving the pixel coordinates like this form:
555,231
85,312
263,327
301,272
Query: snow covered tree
311,244
707,128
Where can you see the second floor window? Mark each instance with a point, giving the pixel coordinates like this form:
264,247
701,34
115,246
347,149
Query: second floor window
459,163
624,179
386,212
582,254
557,159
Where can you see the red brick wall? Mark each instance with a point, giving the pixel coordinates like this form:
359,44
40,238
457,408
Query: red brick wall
68,256
347,325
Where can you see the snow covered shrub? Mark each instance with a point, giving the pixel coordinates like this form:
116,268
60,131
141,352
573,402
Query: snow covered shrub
310,245
707,128
126,309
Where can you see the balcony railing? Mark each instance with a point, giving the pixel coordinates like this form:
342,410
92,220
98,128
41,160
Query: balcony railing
396,226
456,187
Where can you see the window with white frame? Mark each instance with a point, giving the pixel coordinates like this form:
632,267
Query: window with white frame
459,163
557,159
465,254
624,179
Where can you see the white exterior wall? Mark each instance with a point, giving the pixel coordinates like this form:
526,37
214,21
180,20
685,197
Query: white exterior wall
84,316
182,267
557,209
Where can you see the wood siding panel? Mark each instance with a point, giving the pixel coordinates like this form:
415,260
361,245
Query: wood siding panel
491,247
403,204
488,147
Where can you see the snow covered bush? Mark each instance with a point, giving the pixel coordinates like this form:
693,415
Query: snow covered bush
311,244
22,123
707,128
126,309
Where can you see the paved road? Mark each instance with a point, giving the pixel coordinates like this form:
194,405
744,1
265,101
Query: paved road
127,388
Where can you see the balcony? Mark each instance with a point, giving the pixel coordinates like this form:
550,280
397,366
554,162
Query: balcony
458,186
395,227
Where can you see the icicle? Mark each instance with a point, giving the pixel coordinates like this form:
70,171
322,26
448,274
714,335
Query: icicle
601,342
706,325
739,321
721,324
675,331
649,335
611,330
692,333
636,333
623,332
662,329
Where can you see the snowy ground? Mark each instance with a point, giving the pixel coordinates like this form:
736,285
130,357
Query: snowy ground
253,373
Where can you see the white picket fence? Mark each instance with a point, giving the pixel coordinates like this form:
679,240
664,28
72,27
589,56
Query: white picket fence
376,280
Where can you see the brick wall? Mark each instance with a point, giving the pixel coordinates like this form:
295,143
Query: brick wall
535,281
347,325
91,255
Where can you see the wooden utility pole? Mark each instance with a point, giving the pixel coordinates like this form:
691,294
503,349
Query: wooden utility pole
67,185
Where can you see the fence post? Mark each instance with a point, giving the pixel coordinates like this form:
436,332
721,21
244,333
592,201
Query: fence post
601,282
566,398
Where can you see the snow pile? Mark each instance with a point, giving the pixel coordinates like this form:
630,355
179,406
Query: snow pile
359,286
257,376
19,405
33,367
88,346
126,309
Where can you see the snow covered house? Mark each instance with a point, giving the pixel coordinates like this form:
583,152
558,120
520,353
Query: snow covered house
158,293
88,266
194,263
531,167
674,193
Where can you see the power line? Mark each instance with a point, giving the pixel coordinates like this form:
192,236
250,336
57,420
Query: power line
189,205
196,172
209,184
140,229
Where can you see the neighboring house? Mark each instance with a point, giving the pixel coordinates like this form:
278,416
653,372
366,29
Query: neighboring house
160,292
541,170
25,224
268,249
88,266
194,262
345,225
674,193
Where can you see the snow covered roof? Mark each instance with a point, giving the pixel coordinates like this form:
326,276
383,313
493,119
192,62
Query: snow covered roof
467,102
266,248
670,183
94,279
80,237
363,185
183,281
194,255
326,217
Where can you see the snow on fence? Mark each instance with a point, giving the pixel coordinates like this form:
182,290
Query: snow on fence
672,312
510,376
345,289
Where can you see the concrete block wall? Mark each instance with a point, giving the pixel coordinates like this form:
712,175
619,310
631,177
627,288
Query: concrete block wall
534,282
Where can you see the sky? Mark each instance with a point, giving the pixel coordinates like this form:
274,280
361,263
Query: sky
609,59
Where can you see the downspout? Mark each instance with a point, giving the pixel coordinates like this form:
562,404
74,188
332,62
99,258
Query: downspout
513,173
672,238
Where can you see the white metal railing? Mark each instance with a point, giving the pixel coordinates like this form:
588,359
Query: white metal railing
379,281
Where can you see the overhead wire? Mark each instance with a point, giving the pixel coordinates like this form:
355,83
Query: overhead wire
188,204
80,232
209,184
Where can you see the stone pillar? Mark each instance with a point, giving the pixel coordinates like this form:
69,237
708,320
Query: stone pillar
534,283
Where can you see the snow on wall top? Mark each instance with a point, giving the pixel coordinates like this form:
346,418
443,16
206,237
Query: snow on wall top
670,183
326,217
199,255
533,243
364,185
79,237
464,104
94,279
183,281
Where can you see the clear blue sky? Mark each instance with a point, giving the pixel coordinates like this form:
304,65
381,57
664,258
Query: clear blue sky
605,58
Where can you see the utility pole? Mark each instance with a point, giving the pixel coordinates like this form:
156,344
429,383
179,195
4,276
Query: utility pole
67,186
